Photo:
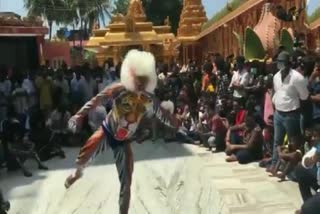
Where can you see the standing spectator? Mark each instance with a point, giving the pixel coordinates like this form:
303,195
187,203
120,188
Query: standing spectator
30,86
289,88
249,149
240,80
61,89
5,92
223,78
268,105
45,86
315,92
207,73
76,89
20,101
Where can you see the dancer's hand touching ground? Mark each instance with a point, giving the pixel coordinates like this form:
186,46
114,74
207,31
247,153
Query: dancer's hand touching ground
73,178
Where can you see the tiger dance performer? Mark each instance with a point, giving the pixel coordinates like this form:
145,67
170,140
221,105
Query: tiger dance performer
133,102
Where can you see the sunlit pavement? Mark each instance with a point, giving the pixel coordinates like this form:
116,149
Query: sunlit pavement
168,179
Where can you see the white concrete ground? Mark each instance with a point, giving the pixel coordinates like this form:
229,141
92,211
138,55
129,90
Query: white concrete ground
168,179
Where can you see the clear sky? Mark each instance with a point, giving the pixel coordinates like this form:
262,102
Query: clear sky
211,6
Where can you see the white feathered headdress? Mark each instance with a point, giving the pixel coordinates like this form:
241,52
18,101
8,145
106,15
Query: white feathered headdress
139,63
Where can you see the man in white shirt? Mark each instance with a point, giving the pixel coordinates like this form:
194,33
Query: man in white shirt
290,89
30,86
240,79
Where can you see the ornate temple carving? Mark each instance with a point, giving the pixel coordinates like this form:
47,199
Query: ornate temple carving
268,28
12,19
133,31
193,16
136,11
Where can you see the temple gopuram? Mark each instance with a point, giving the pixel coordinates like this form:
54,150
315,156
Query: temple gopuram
252,28
192,18
22,39
133,31
226,35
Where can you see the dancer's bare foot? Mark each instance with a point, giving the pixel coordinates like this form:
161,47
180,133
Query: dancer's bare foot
72,179
298,212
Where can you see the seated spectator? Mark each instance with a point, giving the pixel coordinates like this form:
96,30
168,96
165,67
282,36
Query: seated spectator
307,179
289,157
58,124
249,148
219,128
268,134
45,144
19,147
236,118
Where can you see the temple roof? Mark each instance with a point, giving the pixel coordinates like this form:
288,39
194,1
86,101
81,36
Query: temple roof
315,24
132,29
12,24
192,17
232,15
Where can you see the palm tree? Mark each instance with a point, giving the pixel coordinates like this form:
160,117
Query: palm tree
87,12
48,9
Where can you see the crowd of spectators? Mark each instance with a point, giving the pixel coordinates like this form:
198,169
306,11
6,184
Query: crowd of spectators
266,112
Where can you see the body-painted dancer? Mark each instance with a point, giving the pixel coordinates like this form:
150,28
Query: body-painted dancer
133,100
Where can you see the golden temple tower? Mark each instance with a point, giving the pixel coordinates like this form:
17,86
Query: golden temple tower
133,31
136,11
192,17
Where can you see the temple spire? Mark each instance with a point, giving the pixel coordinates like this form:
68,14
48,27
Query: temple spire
136,11
192,18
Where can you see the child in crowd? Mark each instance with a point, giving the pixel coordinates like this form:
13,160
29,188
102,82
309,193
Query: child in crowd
313,156
268,134
218,130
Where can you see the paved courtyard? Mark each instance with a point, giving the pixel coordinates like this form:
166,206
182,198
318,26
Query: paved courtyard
168,179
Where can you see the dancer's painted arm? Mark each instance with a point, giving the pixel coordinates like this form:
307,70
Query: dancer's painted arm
108,92
105,93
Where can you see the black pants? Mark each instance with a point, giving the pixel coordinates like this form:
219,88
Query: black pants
312,205
124,161
307,180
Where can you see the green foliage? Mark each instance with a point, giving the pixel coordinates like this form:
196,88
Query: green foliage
234,4
121,6
68,12
157,11
287,40
47,9
253,48
314,16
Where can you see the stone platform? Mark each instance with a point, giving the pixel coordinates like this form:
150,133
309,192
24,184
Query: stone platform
168,179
